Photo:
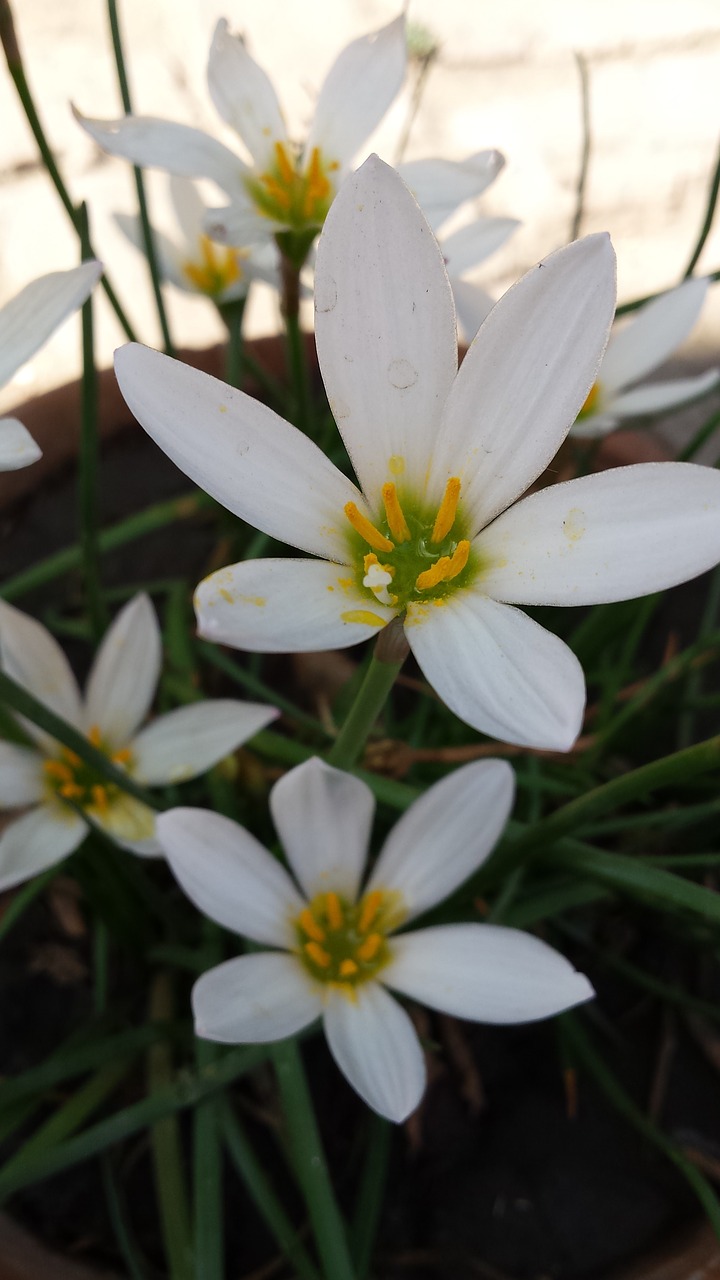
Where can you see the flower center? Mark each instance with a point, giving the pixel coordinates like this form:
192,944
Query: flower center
414,555
345,943
71,779
591,404
217,268
295,194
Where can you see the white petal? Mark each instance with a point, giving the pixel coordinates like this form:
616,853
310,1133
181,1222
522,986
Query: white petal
650,336
473,306
474,243
124,675
385,327
17,447
238,224
441,186
323,818
287,606
244,96
609,536
244,455
499,671
484,972
254,1000
358,90
375,1046
594,426
189,206
21,776
446,835
228,874
176,148
28,319
128,822
170,259
661,396
190,740
525,378
38,840
35,660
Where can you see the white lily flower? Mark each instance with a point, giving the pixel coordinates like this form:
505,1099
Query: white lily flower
637,347
337,949
26,322
440,454
285,187
118,695
196,264
465,249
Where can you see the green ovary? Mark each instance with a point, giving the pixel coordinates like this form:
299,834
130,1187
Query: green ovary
344,944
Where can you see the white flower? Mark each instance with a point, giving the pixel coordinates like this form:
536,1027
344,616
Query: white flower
26,322
196,264
465,249
637,347
285,188
337,949
444,452
119,692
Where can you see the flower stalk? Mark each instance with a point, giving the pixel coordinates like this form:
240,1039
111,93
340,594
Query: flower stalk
88,457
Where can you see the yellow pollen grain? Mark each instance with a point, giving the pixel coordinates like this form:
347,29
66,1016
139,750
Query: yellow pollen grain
334,911
318,955
444,569
123,756
396,464
348,968
70,791
226,595
56,769
447,511
371,559
369,948
99,795
363,617
367,531
396,520
371,906
310,926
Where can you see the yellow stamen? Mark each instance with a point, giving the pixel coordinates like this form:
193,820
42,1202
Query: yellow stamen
318,955
276,191
396,520
447,510
70,791
334,911
56,769
94,735
287,173
367,531
363,617
71,757
444,569
348,968
310,926
99,795
370,947
123,756
371,906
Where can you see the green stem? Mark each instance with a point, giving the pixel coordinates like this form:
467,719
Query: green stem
707,221
371,698
232,314
147,231
370,1195
23,702
207,1152
309,1160
17,71
88,458
166,1148
297,361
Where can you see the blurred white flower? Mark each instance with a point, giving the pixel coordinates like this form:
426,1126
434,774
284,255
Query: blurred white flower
119,693
337,946
638,346
435,535
195,263
26,322
285,187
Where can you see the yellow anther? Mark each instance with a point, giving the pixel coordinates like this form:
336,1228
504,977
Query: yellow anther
94,735
57,769
444,569
70,791
123,756
310,926
334,911
370,947
276,191
367,531
348,968
287,172
363,617
370,908
318,955
447,510
99,795
72,759
397,523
